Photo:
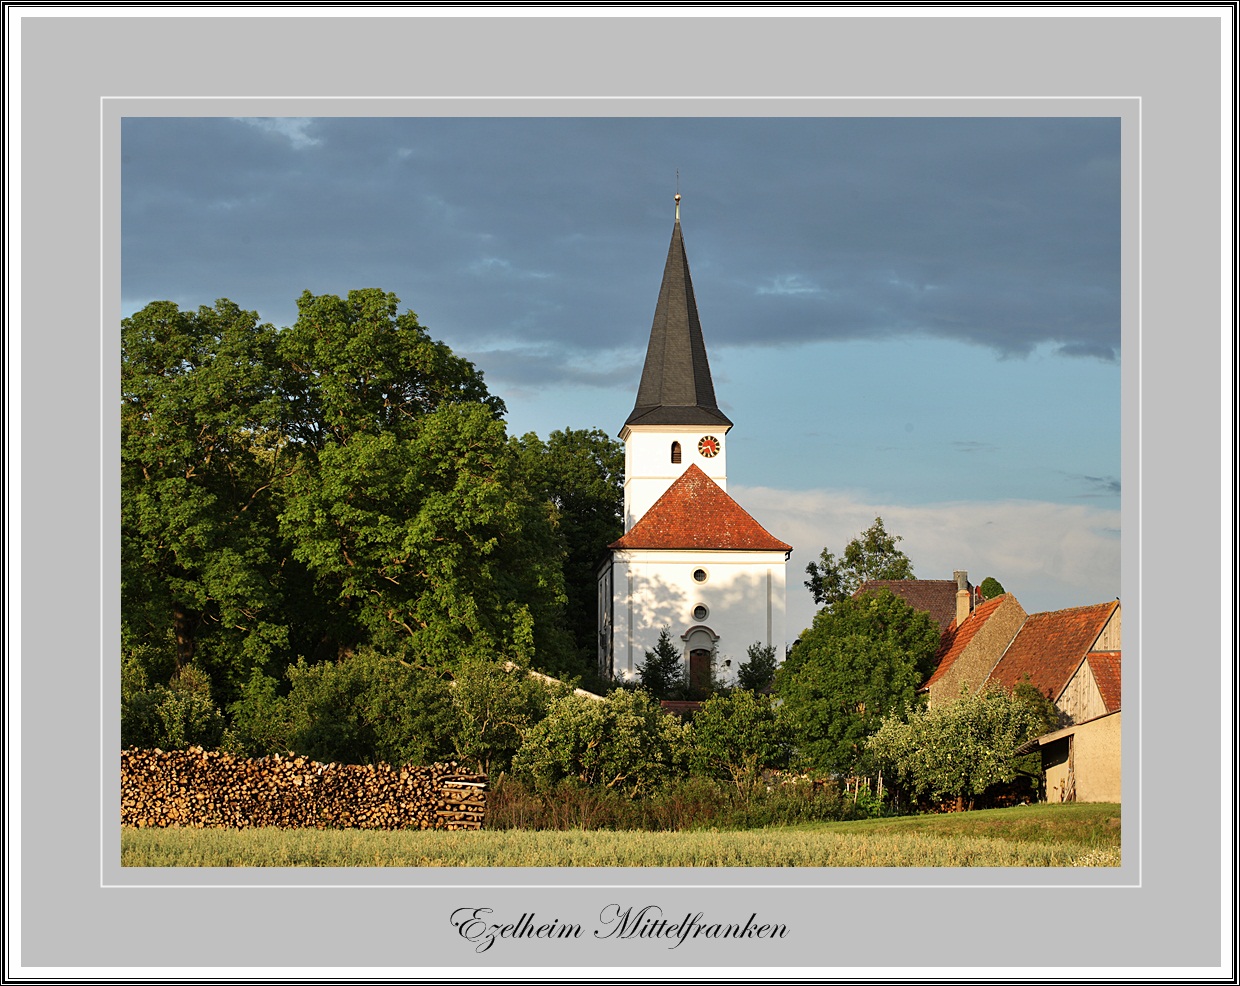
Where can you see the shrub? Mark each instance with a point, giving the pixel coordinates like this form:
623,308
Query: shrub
737,737
624,742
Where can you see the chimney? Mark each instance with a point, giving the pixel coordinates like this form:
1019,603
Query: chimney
963,596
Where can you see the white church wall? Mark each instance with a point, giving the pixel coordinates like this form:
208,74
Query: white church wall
648,466
743,596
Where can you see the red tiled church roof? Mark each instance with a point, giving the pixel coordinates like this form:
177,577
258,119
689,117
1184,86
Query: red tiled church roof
1105,667
1051,646
695,513
934,596
956,638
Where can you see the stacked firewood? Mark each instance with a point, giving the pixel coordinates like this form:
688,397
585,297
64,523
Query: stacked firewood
199,788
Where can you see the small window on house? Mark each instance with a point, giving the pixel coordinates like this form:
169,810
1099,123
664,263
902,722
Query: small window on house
675,451
700,612
699,575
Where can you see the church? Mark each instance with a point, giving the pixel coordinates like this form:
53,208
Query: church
691,558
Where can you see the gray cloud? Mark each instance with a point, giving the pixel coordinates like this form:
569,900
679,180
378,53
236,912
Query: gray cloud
551,233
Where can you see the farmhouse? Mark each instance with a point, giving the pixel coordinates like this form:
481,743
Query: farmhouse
691,558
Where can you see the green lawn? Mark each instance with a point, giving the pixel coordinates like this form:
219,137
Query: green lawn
1033,835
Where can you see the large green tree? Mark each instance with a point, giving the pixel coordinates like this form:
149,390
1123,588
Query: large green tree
580,476
410,507
863,659
203,451
873,554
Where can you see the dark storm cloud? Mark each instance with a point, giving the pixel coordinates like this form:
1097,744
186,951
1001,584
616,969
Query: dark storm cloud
551,234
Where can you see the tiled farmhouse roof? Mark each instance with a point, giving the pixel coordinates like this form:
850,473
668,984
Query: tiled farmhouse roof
695,513
676,386
1051,646
1104,664
956,638
934,596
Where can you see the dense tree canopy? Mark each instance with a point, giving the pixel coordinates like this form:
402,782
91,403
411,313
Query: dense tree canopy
871,555
579,475
202,453
343,483
863,659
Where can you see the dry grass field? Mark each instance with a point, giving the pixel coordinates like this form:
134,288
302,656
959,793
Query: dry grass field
1032,835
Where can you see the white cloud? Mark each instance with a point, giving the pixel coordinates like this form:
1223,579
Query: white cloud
1049,555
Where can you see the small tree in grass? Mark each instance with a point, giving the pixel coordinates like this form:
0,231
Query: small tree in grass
957,750
662,673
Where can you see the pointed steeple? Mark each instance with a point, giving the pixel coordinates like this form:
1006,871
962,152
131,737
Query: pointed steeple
676,388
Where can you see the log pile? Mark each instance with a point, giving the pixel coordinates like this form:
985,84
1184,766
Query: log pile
199,788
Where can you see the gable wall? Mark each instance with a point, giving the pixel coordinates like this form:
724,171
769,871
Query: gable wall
975,662
744,593
1109,639
1081,699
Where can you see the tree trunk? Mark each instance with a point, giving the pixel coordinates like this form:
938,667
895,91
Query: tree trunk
184,638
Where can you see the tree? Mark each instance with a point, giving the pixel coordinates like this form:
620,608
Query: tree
624,741
871,555
863,659
757,673
409,508
580,477
956,750
737,736
496,706
202,451
662,673
991,588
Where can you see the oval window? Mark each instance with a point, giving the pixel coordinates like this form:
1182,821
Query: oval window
700,612
699,575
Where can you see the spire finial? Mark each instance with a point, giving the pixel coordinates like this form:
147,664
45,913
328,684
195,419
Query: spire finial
677,195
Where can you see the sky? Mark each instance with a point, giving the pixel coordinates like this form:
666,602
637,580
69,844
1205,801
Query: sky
912,318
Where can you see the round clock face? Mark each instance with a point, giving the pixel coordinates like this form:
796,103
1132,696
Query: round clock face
708,447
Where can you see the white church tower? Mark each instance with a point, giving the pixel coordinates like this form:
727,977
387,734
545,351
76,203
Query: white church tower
691,559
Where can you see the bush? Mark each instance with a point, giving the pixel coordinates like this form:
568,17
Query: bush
366,708
737,737
169,717
624,742
687,804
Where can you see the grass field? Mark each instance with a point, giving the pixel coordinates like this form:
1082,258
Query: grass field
1032,835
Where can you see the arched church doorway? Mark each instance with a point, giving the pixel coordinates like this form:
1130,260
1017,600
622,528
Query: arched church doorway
700,643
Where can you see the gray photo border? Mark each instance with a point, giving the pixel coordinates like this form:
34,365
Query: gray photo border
80,75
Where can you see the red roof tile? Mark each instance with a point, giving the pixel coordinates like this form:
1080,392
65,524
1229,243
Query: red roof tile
1105,667
956,639
695,513
1051,646
934,596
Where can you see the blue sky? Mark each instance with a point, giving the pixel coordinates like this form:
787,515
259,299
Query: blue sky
918,318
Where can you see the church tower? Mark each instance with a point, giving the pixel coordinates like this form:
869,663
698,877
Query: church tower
675,421
691,558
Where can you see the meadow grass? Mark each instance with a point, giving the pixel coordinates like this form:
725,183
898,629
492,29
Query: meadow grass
1034,835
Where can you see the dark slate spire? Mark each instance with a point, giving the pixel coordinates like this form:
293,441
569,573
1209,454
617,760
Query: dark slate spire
676,388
